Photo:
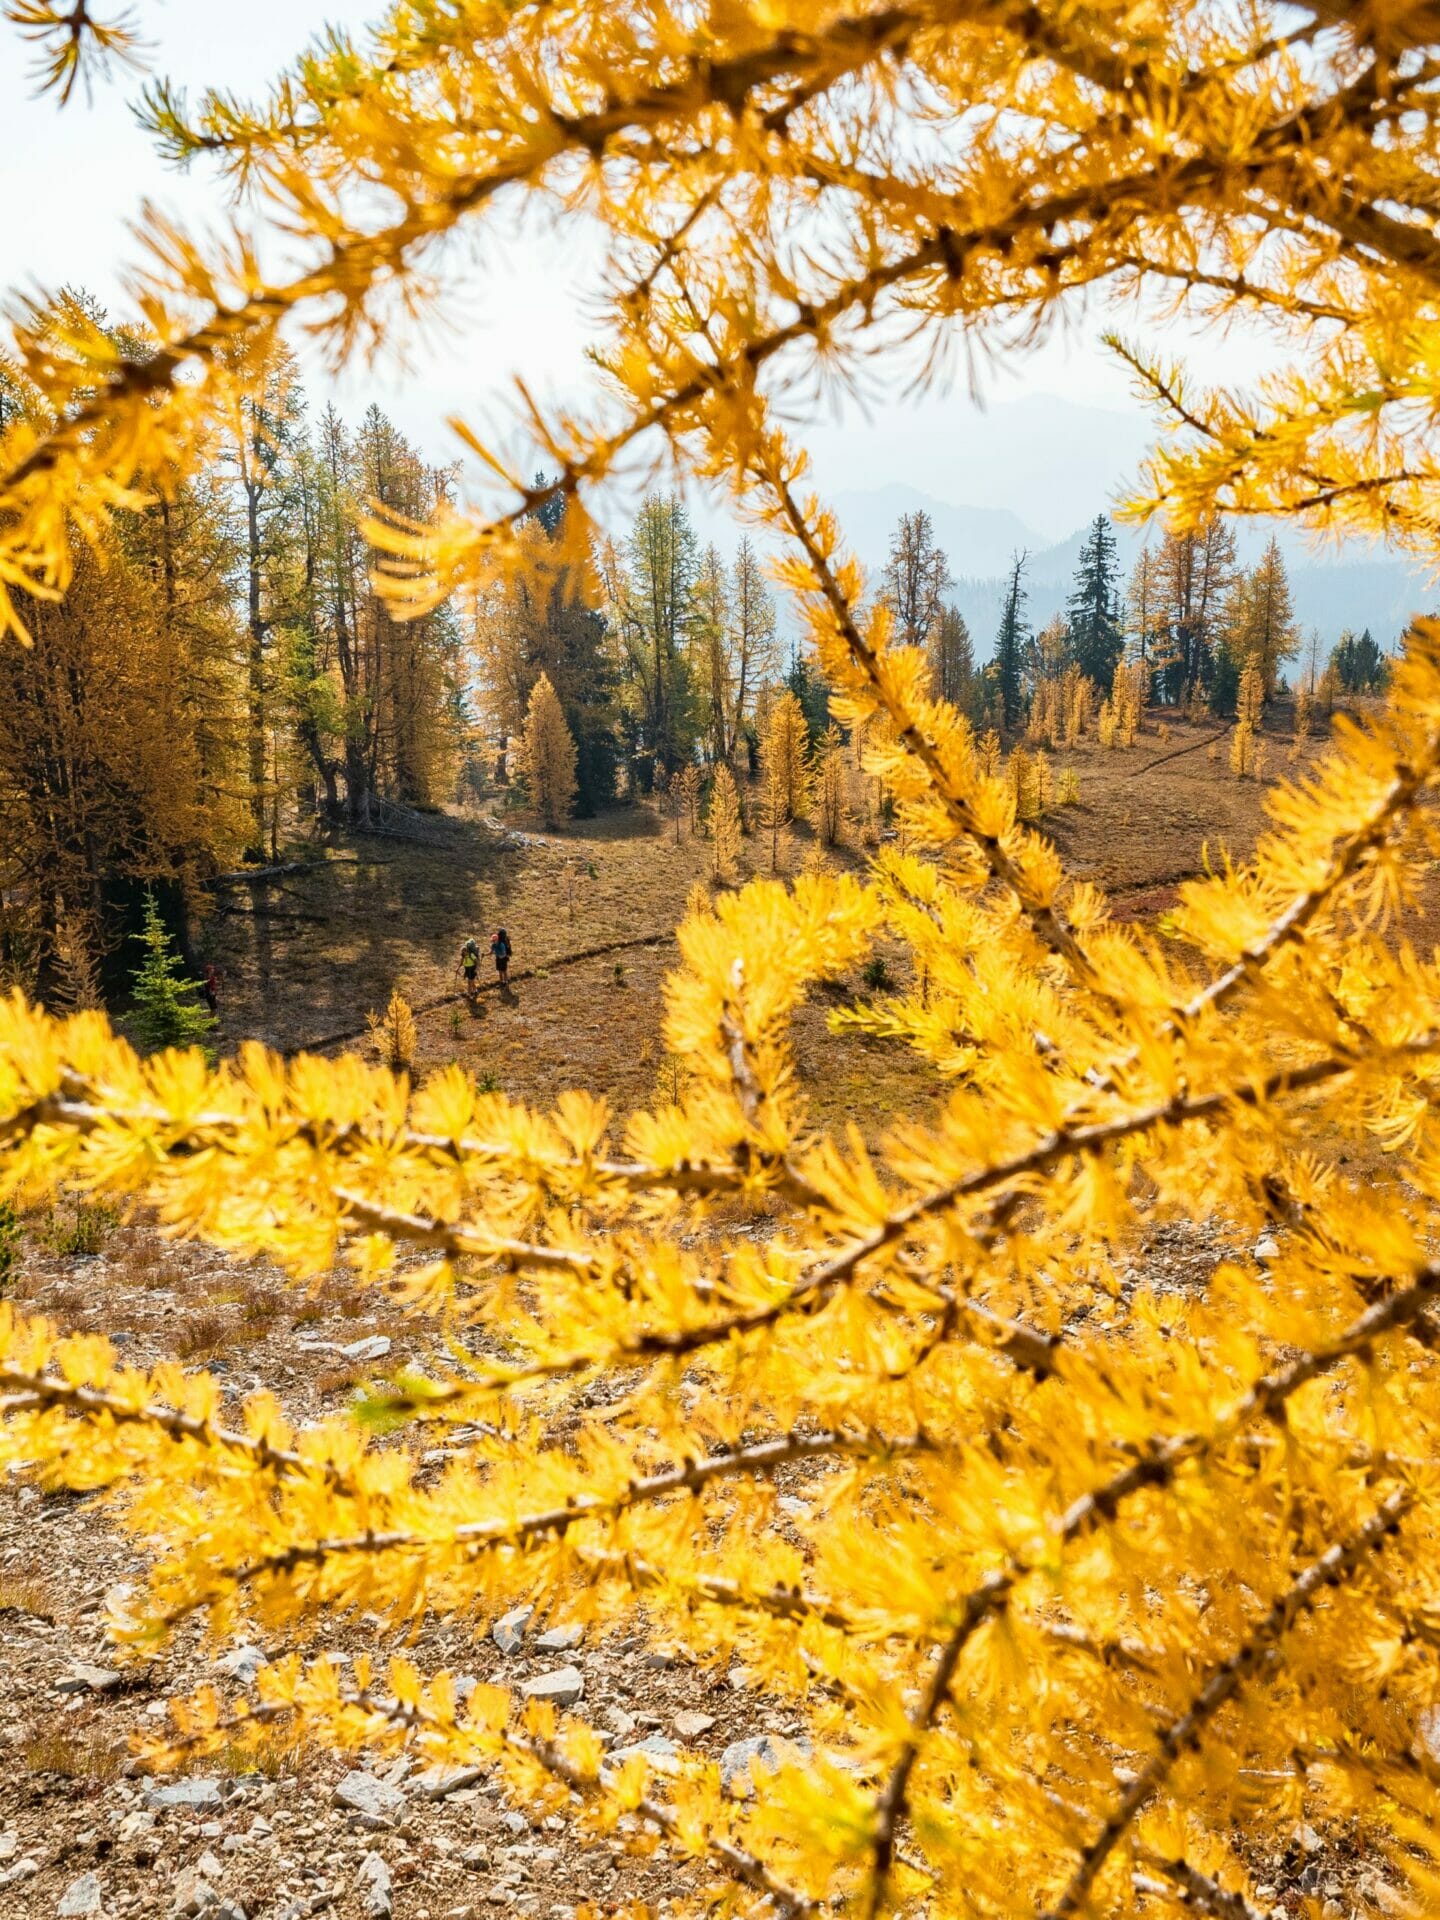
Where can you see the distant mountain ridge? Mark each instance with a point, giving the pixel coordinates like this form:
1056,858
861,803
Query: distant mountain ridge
1333,589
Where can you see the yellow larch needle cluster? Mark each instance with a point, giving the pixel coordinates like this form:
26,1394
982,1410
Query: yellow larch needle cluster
1101,1586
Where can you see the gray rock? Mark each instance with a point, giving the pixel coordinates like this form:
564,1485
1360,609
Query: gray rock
690,1726
562,1688
515,1822
84,1678
465,1685
376,1888
142,1820
662,1753
375,1803
619,1721
475,1858
560,1639
209,1865
80,1898
230,1910
743,1759
434,1783
1267,1249
508,1632
194,1895
189,1794
25,1869
375,1347
242,1664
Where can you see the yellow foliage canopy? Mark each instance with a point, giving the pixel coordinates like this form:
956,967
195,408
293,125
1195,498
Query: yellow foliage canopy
1099,1585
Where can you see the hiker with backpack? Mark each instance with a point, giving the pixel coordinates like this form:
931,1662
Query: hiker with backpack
470,965
500,947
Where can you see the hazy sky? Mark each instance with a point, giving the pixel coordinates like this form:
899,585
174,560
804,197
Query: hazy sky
71,179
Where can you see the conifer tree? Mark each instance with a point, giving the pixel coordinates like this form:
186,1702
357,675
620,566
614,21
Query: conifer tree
916,580
808,686
723,820
1144,614
1092,612
784,761
952,659
393,1033
1010,642
829,783
1194,571
77,968
549,755
754,651
651,606
165,1012
1260,618
687,787
709,627
1359,664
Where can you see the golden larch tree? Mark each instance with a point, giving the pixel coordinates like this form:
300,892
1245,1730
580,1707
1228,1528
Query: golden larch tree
723,821
549,754
832,812
785,772
1103,1586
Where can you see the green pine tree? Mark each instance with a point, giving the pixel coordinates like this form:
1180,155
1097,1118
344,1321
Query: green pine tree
1010,643
165,1013
1096,641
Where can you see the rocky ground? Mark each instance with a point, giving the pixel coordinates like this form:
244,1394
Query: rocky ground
84,1833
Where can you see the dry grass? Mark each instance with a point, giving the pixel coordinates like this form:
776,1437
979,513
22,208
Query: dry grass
72,1755
33,1595
144,1261
202,1333
343,1378
398,912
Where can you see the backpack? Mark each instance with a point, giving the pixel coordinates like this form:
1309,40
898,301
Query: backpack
501,944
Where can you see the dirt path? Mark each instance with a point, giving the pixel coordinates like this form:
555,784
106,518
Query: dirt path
663,935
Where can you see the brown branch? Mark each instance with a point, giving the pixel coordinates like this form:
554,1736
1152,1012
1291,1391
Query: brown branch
483,1536
1224,1682
39,1392
1155,1467
1191,1888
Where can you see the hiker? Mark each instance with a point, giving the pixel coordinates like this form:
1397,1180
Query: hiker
211,988
500,947
470,964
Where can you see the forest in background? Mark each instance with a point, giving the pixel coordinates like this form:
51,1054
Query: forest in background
224,672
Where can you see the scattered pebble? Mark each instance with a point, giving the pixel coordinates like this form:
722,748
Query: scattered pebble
80,1898
508,1632
376,1888
560,1639
562,1688
190,1794
375,1803
690,1725
84,1678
